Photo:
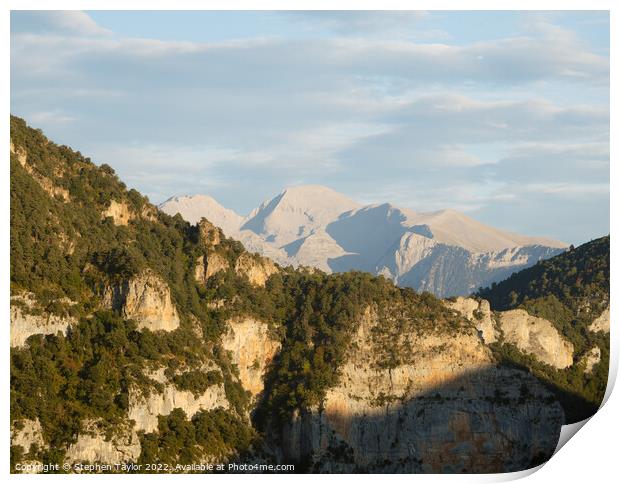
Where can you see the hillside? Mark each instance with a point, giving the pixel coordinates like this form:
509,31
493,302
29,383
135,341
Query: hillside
572,291
443,252
139,338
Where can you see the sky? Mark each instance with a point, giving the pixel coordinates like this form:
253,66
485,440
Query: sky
501,115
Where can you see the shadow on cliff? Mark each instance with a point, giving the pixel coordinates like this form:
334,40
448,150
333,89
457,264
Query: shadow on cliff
491,420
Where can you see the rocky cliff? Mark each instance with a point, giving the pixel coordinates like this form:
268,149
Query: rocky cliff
532,335
27,319
478,311
252,348
145,408
256,269
446,408
93,446
536,336
120,213
144,298
601,323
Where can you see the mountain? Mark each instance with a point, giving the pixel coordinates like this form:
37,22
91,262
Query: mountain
296,213
443,252
139,338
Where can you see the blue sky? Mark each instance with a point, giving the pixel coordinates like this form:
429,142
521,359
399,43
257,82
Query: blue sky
502,115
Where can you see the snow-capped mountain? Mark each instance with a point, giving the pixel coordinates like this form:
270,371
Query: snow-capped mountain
444,252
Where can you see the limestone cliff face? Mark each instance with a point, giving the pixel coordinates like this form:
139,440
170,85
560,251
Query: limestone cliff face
590,359
120,213
256,269
252,349
26,434
123,445
478,312
24,324
210,235
601,323
215,263
144,409
93,446
448,408
146,299
536,336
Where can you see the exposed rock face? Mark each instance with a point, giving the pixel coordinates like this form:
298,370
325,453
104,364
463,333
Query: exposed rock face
29,434
24,325
209,233
445,270
119,211
252,349
256,269
536,336
591,358
447,409
92,446
46,184
601,323
215,263
146,299
479,312
145,409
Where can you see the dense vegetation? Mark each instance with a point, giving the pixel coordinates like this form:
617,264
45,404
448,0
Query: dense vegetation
180,441
570,290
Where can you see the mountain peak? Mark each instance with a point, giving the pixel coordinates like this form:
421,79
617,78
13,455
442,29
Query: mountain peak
306,194
297,211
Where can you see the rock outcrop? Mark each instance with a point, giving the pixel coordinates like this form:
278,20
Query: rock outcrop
446,409
478,312
144,298
590,359
27,433
144,409
536,336
45,183
601,323
256,269
252,349
26,321
214,264
93,446
120,213
210,235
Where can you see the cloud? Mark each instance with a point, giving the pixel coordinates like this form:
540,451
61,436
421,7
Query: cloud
561,165
68,22
365,23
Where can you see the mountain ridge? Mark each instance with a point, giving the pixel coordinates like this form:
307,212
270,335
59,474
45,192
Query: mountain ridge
313,225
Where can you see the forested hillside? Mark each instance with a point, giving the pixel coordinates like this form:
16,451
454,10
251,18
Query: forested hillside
571,290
